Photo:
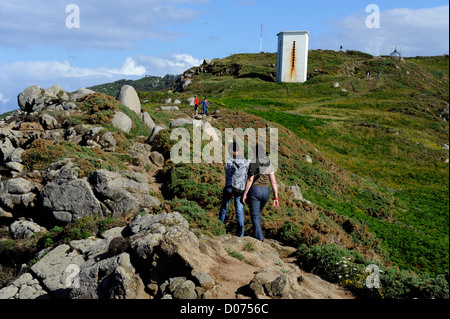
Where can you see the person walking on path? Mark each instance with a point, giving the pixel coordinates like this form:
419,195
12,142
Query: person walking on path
205,105
196,104
236,169
257,191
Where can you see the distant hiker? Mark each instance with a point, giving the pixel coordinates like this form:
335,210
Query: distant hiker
205,105
257,191
379,74
368,74
196,104
236,169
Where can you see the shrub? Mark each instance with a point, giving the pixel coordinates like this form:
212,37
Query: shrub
348,268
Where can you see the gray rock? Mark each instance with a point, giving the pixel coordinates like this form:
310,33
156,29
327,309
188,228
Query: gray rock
15,155
23,229
180,122
68,105
308,159
112,278
80,94
15,167
149,222
6,148
204,280
148,121
27,98
74,197
58,270
296,191
24,287
128,97
122,122
186,290
48,122
157,158
17,186
54,90
186,83
191,101
169,108
61,172
445,113
123,196
155,132
108,142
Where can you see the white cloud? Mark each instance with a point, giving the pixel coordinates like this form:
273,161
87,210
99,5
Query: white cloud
416,32
47,70
170,64
2,100
103,24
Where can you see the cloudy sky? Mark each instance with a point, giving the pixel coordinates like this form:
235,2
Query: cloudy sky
98,41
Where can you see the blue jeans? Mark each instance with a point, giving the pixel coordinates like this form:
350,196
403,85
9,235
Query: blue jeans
257,198
226,200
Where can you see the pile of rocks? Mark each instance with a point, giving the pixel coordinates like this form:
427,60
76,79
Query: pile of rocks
58,194
158,256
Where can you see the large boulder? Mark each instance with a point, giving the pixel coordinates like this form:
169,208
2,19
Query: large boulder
65,196
128,97
16,194
123,195
35,99
27,98
71,200
23,229
122,122
80,94
112,278
58,269
180,122
148,121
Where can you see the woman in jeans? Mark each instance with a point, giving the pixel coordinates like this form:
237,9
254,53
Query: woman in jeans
257,191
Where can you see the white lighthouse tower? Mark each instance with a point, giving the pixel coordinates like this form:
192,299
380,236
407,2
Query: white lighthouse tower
292,64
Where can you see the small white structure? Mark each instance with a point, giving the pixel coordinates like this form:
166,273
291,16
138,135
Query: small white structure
292,64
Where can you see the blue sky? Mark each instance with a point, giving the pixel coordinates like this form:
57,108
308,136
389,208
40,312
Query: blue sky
129,39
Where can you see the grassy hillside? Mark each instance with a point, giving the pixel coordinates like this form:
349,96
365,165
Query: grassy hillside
379,161
147,84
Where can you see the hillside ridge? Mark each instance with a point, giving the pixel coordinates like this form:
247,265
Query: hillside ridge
362,169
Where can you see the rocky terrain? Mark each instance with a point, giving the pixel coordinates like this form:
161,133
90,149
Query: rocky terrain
149,255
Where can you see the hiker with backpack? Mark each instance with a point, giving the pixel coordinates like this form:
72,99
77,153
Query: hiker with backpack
205,105
257,191
236,168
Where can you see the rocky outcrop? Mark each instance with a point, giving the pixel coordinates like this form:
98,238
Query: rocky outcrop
35,99
123,196
158,256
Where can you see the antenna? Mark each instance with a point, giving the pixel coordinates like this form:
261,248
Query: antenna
261,45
